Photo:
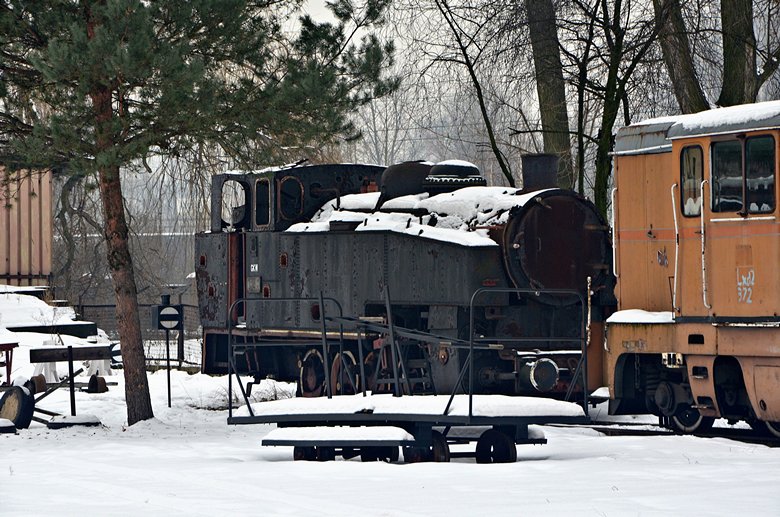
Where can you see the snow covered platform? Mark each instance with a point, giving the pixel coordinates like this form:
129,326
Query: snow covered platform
62,421
339,436
486,410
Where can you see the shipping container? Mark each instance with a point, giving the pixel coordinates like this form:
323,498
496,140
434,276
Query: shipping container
25,227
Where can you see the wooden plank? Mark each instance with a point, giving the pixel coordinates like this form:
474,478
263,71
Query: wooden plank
47,223
81,353
5,228
24,207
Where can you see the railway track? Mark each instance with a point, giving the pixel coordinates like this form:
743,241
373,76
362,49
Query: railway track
742,435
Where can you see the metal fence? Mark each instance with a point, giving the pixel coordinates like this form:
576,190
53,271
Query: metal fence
105,318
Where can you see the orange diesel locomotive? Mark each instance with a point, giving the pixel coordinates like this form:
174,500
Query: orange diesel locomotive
697,248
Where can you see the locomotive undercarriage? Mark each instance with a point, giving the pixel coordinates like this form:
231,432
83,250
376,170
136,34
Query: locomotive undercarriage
661,384
425,360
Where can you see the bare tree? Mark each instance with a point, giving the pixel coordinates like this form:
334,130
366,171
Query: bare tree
550,86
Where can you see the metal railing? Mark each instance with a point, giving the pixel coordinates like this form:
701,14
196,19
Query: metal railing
581,369
231,345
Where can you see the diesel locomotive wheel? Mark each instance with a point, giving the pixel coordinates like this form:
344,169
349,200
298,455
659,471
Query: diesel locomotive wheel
311,381
340,376
495,447
773,428
689,420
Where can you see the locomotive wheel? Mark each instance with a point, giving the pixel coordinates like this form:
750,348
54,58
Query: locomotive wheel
773,428
339,380
689,420
304,453
311,381
495,447
369,363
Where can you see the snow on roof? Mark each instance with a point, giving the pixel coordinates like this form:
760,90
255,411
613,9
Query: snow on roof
637,316
457,163
16,289
19,310
458,215
654,135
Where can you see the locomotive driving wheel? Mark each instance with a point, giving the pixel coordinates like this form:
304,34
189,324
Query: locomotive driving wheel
311,380
344,368
495,446
773,428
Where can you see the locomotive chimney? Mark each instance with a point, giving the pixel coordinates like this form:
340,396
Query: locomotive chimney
540,171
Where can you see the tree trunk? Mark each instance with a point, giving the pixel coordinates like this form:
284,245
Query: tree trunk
550,86
139,404
677,56
740,82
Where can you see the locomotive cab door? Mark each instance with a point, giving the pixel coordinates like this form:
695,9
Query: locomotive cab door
728,227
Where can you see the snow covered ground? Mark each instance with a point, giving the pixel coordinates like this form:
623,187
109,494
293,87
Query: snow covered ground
188,461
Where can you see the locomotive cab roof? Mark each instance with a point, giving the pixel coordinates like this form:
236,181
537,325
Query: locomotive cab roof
656,135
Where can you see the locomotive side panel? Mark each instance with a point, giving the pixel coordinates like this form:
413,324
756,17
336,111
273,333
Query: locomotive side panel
211,270
645,232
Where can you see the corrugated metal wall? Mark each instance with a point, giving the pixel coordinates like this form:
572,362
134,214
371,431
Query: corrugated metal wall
25,228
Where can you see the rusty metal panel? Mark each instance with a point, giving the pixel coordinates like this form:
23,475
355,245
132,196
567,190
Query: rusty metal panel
25,228
211,263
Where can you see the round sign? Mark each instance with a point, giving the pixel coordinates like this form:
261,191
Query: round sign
169,317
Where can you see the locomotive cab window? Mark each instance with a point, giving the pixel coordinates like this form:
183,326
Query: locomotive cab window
262,202
744,186
760,175
691,173
234,208
290,198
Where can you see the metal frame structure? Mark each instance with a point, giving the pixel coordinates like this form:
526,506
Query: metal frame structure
421,426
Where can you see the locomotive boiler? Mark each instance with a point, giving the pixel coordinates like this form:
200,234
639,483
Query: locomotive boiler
399,253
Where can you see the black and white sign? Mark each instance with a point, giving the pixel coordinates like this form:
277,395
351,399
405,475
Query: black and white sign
168,317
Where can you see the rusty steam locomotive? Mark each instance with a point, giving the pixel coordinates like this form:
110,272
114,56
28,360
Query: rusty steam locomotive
313,270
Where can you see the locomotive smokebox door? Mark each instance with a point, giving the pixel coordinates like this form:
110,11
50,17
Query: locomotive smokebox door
556,241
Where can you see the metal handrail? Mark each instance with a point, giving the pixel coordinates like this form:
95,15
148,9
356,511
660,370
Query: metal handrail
231,358
675,308
704,300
